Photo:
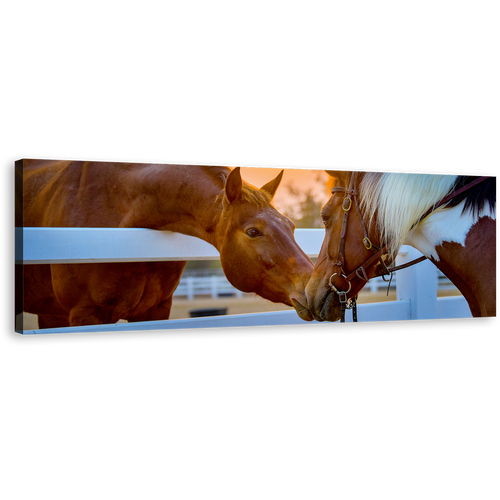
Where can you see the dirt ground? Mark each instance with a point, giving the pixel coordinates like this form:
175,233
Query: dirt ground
249,303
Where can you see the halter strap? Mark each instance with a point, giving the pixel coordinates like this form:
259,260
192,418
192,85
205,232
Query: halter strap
352,194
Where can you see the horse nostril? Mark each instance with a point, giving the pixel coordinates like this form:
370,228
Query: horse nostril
302,311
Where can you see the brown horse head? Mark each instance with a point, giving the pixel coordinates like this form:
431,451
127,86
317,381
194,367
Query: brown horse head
342,253
257,248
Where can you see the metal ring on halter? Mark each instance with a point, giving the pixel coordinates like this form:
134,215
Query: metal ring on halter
346,204
335,289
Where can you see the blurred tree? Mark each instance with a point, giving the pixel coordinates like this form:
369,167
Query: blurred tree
306,211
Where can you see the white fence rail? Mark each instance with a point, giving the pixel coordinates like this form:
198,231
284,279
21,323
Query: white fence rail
376,284
80,245
214,286
416,286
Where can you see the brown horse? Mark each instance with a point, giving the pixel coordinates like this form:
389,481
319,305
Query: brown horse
257,249
370,215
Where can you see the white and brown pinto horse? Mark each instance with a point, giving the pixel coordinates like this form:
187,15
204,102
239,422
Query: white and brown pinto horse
257,249
370,215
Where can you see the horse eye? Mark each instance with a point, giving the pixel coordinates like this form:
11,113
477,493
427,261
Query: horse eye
324,219
253,233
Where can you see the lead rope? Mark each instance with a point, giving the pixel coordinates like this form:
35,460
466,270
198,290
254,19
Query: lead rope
345,304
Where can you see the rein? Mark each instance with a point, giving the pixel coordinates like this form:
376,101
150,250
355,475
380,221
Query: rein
361,272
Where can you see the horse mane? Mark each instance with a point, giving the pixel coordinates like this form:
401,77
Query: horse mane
255,197
477,197
395,202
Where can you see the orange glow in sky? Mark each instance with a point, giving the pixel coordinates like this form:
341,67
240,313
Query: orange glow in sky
301,180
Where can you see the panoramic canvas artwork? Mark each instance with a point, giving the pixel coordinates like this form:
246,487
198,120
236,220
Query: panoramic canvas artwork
104,246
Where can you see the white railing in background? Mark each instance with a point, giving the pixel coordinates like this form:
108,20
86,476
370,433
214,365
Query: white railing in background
416,286
215,286
376,284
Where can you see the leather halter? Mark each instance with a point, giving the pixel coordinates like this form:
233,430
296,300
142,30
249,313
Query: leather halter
361,271
345,303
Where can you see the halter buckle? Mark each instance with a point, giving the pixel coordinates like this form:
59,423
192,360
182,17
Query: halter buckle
343,299
346,204
367,243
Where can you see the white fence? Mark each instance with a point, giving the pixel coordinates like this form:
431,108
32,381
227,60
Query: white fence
80,245
416,286
217,285
376,284
214,286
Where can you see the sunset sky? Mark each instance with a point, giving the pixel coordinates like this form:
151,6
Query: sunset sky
300,179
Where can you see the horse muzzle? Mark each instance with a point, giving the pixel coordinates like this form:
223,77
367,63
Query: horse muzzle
329,307
323,302
302,310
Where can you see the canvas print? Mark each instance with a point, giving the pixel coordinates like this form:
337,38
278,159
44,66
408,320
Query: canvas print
103,246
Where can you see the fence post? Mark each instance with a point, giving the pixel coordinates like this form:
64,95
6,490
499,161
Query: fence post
213,286
190,287
418,284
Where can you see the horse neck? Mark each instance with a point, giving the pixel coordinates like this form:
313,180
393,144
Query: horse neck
186,201
463,247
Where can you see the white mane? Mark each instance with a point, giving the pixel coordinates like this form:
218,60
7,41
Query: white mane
395,202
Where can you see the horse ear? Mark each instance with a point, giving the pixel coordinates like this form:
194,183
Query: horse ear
338,174
338,177
233,185
272,186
